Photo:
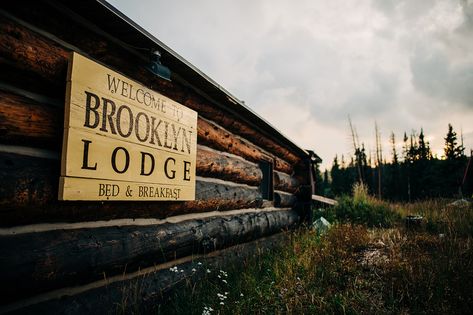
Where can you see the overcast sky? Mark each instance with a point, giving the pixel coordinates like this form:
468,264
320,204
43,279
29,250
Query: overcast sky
306,65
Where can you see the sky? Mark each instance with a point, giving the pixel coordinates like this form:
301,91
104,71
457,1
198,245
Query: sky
305,66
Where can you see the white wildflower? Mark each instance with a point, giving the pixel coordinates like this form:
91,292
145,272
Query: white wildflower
193,270
223,280
223,273
207,310
208,271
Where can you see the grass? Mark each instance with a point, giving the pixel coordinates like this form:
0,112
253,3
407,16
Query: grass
365,264
362,209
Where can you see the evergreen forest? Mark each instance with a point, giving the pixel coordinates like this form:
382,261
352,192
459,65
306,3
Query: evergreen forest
411,175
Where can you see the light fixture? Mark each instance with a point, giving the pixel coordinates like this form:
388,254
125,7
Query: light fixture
157,68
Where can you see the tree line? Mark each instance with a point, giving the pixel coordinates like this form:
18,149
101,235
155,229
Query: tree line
413,174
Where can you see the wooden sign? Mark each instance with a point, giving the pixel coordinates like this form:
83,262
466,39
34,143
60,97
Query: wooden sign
123,141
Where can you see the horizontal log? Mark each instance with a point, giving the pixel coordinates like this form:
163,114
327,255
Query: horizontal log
28,51
154,284
37,262
285,182
284,199
28,194
214,136
322,199
211,163
54,68
242,129
25,121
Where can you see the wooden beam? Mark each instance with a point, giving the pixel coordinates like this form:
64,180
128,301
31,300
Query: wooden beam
45,227
285,182
37,262
25,121
212,163
241,128
213,135
323,199
284,199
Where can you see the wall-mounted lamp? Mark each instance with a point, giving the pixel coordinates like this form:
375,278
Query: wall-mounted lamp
157,68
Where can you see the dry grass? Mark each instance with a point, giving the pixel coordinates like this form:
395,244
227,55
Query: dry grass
353,269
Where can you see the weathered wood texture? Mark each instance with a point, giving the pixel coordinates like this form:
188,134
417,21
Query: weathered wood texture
145,291
322,199
211,163
44,57
212,135
29,188
38,262
243,129
284,199
285,182
25,121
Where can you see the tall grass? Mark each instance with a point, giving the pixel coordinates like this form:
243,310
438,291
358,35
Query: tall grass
360,266
310,274
363,209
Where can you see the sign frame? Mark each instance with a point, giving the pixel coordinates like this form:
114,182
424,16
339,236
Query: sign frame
122,140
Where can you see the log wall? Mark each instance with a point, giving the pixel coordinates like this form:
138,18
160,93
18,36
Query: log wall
36,39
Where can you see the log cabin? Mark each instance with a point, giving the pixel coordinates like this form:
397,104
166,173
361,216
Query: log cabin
214,176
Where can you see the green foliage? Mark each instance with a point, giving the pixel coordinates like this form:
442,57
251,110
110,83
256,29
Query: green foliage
363,209
452,150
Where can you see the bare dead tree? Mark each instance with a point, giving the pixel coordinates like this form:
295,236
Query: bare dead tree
379,157
356,146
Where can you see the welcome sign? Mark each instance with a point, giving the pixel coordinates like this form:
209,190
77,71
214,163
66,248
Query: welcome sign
123,141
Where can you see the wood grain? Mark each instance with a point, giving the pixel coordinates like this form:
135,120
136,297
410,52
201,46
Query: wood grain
25,121
285,182
214,136
212,163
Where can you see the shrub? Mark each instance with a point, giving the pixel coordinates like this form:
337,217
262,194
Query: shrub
364,209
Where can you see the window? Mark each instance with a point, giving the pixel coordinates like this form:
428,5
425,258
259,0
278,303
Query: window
267,181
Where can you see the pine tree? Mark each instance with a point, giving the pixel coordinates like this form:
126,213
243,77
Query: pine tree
405,148
393,143
451,150
423,149
335,173
412,152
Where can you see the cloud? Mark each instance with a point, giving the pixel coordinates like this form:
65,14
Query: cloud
305,66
